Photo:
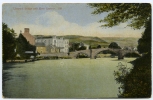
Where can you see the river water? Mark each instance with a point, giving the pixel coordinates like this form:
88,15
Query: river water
64,78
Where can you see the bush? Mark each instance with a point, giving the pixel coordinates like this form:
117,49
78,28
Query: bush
82,56
132,55
136,82
65,57
82,48
114,45
99,46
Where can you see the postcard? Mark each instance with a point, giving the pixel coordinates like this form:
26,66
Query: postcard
76,50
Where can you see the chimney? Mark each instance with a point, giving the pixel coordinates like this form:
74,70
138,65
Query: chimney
26,30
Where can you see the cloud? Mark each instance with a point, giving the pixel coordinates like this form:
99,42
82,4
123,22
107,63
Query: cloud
52,23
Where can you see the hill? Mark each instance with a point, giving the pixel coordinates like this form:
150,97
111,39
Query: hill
122,41
103,41
93,41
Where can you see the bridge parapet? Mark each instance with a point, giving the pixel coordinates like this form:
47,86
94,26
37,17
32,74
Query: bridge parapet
92,53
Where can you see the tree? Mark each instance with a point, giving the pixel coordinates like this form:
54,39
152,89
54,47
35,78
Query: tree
23,45
74,46
136,13
144,43
114,45
9,42
82,48
99,46
137,82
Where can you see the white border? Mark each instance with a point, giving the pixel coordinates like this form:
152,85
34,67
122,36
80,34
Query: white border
60,1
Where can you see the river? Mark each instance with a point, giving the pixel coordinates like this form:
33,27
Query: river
64,78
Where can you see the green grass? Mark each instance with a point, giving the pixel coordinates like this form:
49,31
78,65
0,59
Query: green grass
93,41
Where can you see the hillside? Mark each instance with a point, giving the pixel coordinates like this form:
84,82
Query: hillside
103,41
93,41
122,41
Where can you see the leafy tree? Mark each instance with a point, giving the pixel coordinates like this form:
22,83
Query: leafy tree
132,55
23,45
136,13
74,46
144,43
137,82
9,42
82,48
114,45
99,46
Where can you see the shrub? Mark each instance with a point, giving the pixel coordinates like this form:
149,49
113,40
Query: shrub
132,55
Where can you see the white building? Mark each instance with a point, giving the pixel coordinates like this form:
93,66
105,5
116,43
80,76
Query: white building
52,42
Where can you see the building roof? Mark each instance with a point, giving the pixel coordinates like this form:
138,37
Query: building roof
40,45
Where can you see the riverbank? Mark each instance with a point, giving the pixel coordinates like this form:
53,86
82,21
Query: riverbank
21,61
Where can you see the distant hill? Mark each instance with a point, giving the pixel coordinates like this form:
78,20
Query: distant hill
93,41
103,41
122,41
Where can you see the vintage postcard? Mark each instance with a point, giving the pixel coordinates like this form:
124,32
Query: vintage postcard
76,50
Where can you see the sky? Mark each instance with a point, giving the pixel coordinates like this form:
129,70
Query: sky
61,19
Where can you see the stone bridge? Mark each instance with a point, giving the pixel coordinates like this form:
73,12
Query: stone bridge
92,53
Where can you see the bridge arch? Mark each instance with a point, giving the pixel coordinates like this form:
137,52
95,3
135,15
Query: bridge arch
106,51
96,52
77,54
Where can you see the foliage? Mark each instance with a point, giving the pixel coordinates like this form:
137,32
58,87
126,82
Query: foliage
144,43
114,45
120,75
82,48
132,55
137,13
137,82
23,45
81,55
74,46
8,42
99,46
93,41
